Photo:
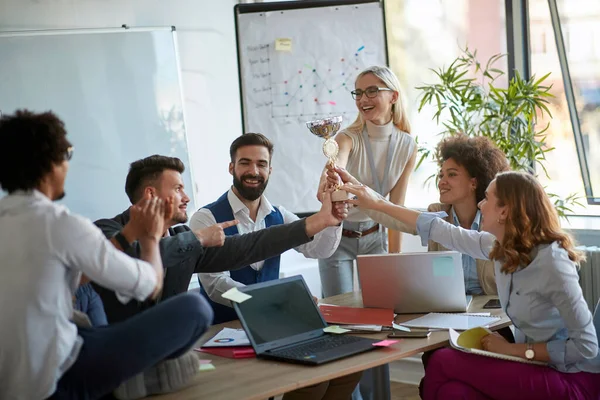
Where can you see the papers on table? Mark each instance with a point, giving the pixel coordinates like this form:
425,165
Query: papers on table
228,337
335,329
206,367
459,322
364,328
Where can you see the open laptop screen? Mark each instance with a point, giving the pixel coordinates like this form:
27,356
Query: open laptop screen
278,310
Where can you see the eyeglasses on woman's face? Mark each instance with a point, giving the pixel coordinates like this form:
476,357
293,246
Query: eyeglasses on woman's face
371,92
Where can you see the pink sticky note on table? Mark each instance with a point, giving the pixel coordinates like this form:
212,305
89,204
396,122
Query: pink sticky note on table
385,343
205,362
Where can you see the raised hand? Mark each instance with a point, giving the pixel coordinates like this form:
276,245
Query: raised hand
147,218
338,173
214,235
340,210
364,196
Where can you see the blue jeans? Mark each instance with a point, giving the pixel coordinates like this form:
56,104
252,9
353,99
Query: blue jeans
114,353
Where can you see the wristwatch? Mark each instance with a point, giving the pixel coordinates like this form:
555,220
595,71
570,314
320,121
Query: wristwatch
122,240
529,353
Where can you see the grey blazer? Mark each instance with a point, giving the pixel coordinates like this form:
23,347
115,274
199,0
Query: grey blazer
183,255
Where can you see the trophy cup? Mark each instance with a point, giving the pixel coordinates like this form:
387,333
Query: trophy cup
326,129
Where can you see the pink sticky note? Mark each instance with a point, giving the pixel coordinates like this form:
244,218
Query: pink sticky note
385,343
205,362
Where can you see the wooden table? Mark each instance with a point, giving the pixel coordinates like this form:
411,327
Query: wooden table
256,379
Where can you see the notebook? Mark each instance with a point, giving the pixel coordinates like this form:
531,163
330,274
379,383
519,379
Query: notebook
357,316
228,337
470,342
229,352
413,283
283,323
460,322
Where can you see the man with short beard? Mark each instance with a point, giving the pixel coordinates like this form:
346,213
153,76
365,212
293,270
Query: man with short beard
250,167
184,251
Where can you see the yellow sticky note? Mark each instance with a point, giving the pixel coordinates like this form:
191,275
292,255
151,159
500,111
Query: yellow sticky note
234,294
207,367
335,329
283,44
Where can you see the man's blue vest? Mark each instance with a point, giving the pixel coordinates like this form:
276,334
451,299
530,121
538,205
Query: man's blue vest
221,210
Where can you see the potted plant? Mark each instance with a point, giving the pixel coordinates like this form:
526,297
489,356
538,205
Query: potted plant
467,99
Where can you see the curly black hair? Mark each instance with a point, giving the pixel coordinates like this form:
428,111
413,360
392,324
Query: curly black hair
30,144
146,171
478,154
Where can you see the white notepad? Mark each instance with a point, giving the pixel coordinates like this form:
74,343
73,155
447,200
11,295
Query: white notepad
472,344
459,322
228,337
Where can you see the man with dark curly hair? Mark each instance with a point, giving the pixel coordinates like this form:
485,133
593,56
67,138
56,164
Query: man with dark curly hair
45,250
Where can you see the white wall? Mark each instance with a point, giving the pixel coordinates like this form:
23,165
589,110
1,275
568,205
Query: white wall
207,47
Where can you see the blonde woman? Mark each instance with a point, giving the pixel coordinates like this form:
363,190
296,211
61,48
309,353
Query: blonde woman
537,281
378,149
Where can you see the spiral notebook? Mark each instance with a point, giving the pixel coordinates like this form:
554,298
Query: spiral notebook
459,322
470,342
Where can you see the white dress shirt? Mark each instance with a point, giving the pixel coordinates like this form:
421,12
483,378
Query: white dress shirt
44,250
215,284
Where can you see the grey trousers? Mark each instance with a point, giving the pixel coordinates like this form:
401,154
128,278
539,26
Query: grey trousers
337,271
337,277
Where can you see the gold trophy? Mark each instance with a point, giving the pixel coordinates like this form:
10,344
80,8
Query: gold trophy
326,129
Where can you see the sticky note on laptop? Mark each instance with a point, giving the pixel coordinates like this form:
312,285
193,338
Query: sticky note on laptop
443,267
234,294
335,329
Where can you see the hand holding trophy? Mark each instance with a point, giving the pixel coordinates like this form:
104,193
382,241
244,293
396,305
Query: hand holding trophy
327,128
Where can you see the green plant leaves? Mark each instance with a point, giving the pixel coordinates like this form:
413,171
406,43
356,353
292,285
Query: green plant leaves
508,116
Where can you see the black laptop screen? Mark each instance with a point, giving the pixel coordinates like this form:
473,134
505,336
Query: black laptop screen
280,311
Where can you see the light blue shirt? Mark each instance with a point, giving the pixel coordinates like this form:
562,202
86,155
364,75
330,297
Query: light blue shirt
543,300
472,285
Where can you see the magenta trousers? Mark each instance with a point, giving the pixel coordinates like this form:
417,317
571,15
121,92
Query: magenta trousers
452,374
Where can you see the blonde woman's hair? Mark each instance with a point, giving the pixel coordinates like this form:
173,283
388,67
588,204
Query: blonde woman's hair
532,220
390,80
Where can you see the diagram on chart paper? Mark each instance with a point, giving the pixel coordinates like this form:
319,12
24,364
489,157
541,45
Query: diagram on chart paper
309,87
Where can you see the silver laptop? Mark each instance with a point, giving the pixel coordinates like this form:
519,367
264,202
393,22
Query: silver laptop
413,282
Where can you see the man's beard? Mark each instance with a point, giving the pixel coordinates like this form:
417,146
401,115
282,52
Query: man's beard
180,217
250,193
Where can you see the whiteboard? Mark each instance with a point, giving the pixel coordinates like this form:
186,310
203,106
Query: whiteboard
282,89
118,92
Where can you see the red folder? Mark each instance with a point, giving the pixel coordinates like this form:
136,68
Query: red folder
230,352
357,316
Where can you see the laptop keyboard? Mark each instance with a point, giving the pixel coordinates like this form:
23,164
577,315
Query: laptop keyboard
326,343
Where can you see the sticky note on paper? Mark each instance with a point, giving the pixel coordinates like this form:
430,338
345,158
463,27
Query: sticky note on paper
335,329
283,44
206,367
385,343
443,267
205,361
234,294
